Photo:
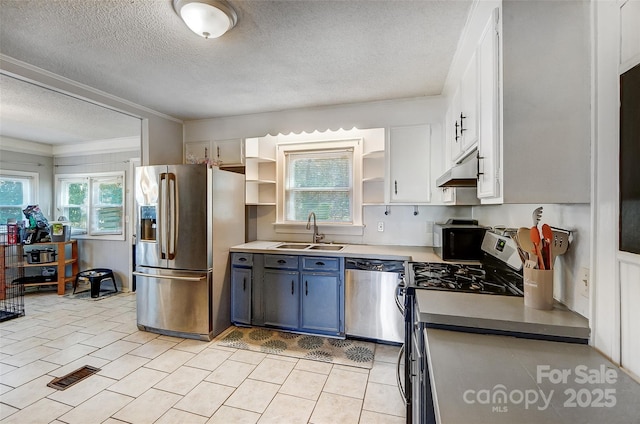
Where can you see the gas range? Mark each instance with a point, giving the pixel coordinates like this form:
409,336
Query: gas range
482,278
498,272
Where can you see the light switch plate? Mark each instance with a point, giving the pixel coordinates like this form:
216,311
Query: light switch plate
583,282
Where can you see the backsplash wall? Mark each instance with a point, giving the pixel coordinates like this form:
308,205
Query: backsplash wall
401,226
574,217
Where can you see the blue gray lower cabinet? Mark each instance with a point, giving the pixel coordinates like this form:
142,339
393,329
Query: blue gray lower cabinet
281,298
289,292
320,303
241,283
241,288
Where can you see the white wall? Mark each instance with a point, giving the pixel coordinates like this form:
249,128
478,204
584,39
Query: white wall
574,217
35,160
615,312
401,226
161,134
412,111
95,253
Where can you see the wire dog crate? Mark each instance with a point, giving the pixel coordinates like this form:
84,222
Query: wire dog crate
11,270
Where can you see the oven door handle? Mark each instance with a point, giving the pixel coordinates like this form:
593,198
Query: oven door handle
398,379
400,290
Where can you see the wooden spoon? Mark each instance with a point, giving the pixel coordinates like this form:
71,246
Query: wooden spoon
547,235
524,240
535,239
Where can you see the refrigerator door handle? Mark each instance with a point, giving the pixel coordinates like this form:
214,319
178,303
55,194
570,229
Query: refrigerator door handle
169,277
162,231
173,210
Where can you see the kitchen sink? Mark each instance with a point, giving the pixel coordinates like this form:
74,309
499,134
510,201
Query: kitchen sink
309,246
335,247
298,246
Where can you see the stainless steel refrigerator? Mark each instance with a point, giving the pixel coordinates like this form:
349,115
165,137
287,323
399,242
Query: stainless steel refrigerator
187,218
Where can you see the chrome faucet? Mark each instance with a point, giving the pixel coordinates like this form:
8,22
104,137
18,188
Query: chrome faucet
316,237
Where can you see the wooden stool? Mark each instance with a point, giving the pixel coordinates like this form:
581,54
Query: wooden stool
96,277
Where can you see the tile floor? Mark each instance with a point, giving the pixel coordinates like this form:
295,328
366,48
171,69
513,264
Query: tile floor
148,378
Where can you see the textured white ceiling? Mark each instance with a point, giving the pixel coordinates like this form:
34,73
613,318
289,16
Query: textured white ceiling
281,54
34,113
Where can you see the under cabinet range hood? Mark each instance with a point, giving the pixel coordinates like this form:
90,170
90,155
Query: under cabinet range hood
462,174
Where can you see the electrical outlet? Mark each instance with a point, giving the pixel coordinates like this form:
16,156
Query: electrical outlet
380,226
583,283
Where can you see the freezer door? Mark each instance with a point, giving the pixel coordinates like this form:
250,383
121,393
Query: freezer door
174,302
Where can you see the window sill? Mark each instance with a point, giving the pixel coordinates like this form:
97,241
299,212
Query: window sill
114,237
332,229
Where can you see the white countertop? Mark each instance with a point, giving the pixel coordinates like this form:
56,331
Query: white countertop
464,367
403,253
502,313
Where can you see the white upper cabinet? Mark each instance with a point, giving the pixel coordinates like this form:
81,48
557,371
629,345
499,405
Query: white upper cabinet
229,152
533,96
197,152
469,105
489,123
630,34
462,115
409,159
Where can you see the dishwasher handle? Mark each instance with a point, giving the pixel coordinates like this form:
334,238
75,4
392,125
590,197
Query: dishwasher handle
400,291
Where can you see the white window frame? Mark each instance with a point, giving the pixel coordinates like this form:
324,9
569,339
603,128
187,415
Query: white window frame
90,178
32,177
313,145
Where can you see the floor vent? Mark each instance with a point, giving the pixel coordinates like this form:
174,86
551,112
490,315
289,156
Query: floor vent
66,381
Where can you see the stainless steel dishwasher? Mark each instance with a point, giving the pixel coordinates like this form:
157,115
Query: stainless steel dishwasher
370,299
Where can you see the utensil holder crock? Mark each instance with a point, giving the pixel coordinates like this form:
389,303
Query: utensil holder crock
538,288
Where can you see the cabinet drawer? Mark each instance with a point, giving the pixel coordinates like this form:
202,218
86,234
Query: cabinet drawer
281,261
317,263
242,259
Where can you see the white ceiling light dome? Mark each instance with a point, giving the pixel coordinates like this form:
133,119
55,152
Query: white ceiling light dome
207,18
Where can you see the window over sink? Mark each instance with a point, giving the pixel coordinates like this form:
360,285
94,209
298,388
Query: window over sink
322,182
320,173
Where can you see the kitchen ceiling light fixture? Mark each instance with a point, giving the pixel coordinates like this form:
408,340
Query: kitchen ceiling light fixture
207,18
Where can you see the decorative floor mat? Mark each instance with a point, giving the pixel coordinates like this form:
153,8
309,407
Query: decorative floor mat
344,352
87,295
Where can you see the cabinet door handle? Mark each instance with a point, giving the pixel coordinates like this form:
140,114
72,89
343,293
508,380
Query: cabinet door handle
320,263
218,148
242,259
462,128
306,288
395,183
457,135
292,287
206,153
282,261
478,165
244,284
